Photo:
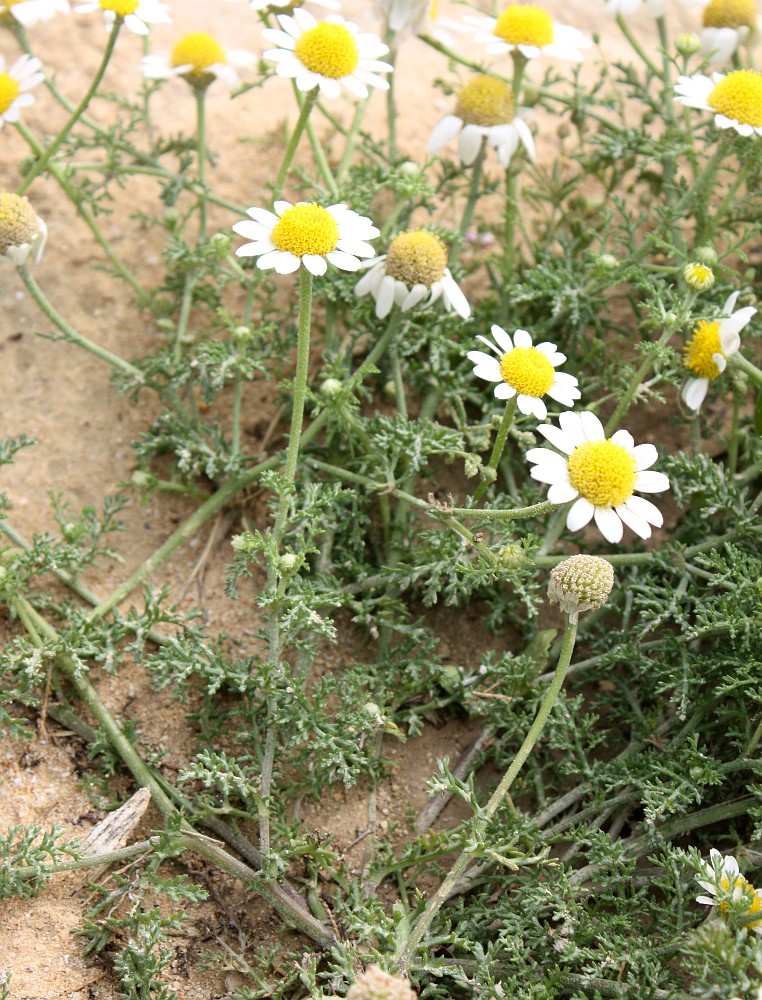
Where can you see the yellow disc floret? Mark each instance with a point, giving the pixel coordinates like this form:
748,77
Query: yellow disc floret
528,370
417,257
730,14
486,101
524,25
199,51
699,352
9,91
739,96
741,887
603,472
329,49
18,222
306,229
121,7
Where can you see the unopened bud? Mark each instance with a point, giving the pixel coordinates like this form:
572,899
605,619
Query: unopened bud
706,255
221,244
471,465
374,984
331,387
244,543
608,262
409,169
698,276
580,583
289,562
512,556
688,44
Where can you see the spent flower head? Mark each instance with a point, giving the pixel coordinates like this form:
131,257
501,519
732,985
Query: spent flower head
529,30
600,475
374,984
328,55
137,14
525,371
735,99
30,12
200,59
413,269
14,84
22,231
705,354
485,110
306,234
580,583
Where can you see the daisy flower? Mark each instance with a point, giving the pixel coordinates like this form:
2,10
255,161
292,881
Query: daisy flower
22,75
137,14
414,267
727,24
525,371
327,55
705,355
306,234
200,59
736,98
726,884
30,12
22,231
600,474
485,109
529,30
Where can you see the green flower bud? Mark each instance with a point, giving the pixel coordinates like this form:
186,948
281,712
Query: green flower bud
688,44
331,387
698,276
706,255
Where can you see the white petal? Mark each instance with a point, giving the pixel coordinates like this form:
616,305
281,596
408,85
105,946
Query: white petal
637,524
344,261
645,509
445,130
571,425
651,482
522,339
624,438
385,297
591,426
557,438
315,264
469,144
645,455
694,392
504,391
562,493
609,524
580,514
502,339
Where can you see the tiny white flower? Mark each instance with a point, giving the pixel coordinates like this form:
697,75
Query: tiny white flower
600,474
31,12
14,84
137,14
290,4
705,355
328,55
306,234
199,58
528,29
525,371
22,231
485,109
736,99
414,269
724,881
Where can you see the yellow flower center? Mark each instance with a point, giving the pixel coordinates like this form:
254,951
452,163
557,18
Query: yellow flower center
603,472
199,51
739,96
9,91
5,5
730,14
528,371
698,276
328,49
121,7
18,221
416,258
741,886
698,352
306,229
524,25
486,101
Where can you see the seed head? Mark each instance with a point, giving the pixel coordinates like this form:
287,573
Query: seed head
374,984
580,583
22,231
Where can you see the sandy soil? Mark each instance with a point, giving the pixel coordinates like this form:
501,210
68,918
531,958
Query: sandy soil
63,399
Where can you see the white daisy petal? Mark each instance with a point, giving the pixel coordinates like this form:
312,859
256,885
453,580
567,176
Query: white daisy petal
580,514
637,524
651,482
645,509
562,493
609,524
558,438
502,338
645,455
521,339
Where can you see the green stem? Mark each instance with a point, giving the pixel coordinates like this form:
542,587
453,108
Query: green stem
499,445
352,134
632,390
733,442
200,93
73,335
302,370
75,196
391,103
321,160
473,197
746,366
304,112
78,111
406,953
636,46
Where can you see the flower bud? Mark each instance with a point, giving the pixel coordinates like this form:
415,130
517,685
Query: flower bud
698,276
221,244
512,556
580,583
22,231
607,262
243,544
688,44
331,387
374,984
409,169
289,561
706,255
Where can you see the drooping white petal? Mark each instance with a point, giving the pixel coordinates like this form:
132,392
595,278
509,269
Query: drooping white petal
609,524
